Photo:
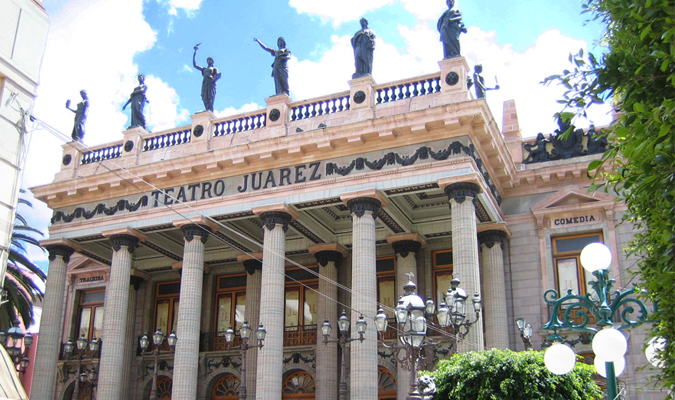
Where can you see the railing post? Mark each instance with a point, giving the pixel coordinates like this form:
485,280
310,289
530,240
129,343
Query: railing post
72,158
202,130
454,88
362,95
278,111
132,146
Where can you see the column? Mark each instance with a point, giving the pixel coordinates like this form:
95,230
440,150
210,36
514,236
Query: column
137,278
406,247
253,265
328,257
114,348
494,290
275,221
47,354
465,253
186,359
364,207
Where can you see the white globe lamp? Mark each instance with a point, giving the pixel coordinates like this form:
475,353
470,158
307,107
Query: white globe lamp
619,366
609,344
595,257
560,359
653,352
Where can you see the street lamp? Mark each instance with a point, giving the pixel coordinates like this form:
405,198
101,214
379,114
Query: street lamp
342,340
412,315
157,340
17,345
609,344
525,332
81,376
245,334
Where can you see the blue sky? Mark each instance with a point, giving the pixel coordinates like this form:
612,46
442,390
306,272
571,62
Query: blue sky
101,45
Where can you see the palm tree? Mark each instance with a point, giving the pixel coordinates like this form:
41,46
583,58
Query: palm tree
19,286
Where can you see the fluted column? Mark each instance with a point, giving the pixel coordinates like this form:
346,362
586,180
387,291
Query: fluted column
114,349
329,258
49,344
406,247
253,265
364,207
494,293
270,358
186,359
137,279
465,252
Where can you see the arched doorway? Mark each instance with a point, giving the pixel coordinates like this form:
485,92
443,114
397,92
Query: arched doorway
164,386
299,385
386,384
226,388
86,391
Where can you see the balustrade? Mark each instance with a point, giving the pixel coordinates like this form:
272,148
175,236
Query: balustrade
322,107
241,124
406,90
167,140
106,153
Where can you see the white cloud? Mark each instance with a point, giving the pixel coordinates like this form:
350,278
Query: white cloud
187,68
189,6
234,111
426,10
337,13
162,110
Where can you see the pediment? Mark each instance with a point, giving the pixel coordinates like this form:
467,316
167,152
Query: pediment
573,197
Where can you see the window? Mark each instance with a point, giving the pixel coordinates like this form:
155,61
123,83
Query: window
301,307
230,303
569,274
166,306
227,388
386,384
299,386
442,267
90,323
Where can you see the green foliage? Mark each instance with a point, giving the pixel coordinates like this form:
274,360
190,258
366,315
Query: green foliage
22,291
504,375
638,73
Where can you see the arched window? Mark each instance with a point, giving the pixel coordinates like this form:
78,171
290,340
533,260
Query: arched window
299,385
227,388
386,384
164,385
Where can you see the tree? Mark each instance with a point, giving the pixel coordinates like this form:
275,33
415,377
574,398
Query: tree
637,73
22,291
505,375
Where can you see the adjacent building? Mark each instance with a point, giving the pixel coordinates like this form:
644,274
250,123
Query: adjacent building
288,215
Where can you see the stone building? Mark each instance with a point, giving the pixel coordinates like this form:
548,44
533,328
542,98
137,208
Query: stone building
288,215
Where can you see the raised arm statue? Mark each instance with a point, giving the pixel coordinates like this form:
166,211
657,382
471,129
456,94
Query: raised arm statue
280,65
363,43
211,76
80,116
450,26
478,79
137,100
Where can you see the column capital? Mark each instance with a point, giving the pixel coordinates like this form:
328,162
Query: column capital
406,243
370,193
461,190
125,231
60,247
192,230
491,237
282,208
335,247
140,274
365,200
252,262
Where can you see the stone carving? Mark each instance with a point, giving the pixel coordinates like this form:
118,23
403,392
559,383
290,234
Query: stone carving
59,250
137,100
80,212
192,230
363,43
325,256
80,116
405,247
360,205
252,265
211,76
280,65
450,26
128,241
426,386
270,219
479,81
565,146
461,190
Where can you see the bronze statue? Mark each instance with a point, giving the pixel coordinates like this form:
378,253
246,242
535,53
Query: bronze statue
137,100
280,65
450,26
80,116
479,81
363,43
211,75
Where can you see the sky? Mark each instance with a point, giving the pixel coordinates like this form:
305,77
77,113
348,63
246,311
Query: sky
102,45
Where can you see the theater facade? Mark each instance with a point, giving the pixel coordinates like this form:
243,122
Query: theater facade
288,215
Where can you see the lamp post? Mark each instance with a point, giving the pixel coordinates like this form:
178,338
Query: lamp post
17,345
245,334
80,376
157,340
525,332
342,340
609,344
411,310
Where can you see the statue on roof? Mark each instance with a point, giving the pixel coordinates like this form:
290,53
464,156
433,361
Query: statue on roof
450,27
363,43
80,116
479,81
211,75
280,65
137,100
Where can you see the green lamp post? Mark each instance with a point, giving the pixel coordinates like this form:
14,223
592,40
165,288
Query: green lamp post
614,312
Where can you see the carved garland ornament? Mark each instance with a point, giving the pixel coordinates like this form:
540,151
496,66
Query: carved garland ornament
100,209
